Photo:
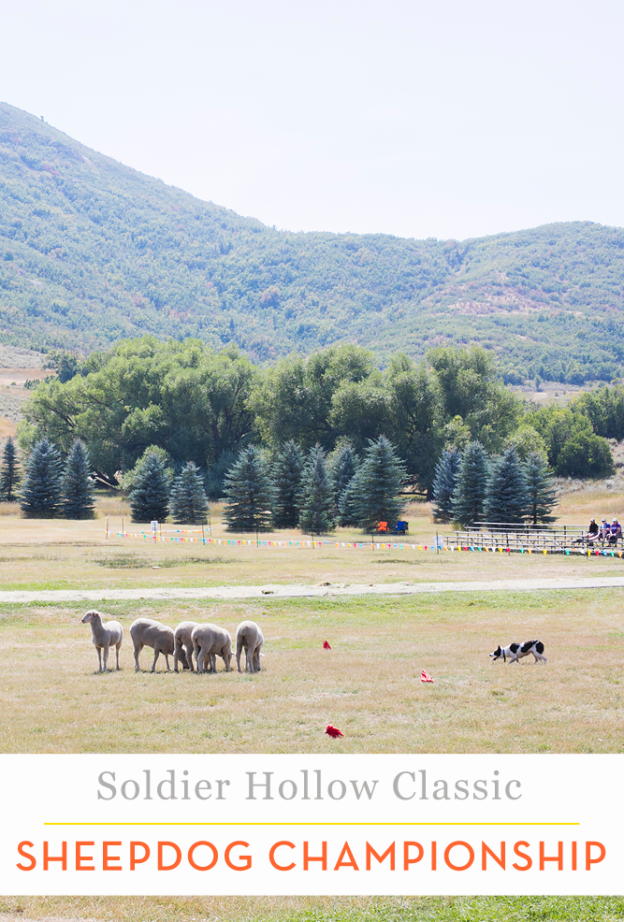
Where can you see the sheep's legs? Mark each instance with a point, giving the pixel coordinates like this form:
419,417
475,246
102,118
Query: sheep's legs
99,653
117,654
189,658
105,658
137,649
156,654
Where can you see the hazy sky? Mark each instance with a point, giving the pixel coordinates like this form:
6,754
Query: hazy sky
444,118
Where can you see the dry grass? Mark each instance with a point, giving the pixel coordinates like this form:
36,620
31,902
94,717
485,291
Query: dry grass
313,909
60,554
368,684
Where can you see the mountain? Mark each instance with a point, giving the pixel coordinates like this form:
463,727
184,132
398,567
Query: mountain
91,251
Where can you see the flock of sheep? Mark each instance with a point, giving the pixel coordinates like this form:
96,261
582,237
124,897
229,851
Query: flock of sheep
206,641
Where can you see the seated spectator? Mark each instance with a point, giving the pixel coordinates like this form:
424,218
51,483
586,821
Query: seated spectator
605,531
592,531
615,533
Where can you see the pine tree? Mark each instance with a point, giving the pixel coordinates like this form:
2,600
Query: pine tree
317,499
149,499
377,485
507,498
541,489
249,493
76,486
343,469
41,488
444,482
468,498
9,476
287,473
188,499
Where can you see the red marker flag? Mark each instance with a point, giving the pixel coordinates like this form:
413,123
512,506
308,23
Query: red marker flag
333,731
326,645
425,677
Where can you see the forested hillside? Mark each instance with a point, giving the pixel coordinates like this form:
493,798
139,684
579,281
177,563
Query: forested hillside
92,251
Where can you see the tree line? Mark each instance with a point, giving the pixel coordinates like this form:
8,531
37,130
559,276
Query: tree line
294,489
472,487
204,407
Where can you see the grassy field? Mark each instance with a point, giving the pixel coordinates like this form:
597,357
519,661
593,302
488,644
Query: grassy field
61,554
315,909
368,684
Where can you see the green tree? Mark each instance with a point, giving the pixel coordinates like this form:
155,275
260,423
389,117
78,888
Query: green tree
404,404
249,493
317,501
444,483
471,389
574,449
180,396
526,441
287,474
66,364
469,496
77,487
9,474
295,399
541,490
377,485
605,410
129,478
585,455
507,498
557,425
149,499
41,487
343,468
188,499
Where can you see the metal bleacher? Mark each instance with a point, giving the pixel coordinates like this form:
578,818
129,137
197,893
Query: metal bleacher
551,538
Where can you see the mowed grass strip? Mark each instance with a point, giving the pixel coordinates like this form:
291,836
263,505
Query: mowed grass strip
368,684
314,909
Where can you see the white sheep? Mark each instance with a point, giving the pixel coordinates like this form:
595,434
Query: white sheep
104,635
249,637
210,641
184,644
148,633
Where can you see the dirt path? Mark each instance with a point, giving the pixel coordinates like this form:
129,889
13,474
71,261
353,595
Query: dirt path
318,591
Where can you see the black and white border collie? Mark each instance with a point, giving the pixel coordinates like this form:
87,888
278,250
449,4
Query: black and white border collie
515,651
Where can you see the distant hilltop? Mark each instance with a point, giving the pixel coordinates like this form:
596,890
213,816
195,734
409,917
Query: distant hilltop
92,251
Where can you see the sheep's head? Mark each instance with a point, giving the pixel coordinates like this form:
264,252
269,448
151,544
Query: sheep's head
90,616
